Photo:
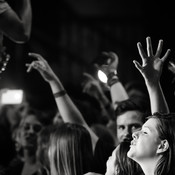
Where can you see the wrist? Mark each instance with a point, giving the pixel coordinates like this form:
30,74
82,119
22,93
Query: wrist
152,83
112,73
59,94
112,78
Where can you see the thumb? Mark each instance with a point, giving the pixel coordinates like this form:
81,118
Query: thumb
137,65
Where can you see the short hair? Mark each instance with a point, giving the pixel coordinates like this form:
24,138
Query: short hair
70,150
130,105
166,130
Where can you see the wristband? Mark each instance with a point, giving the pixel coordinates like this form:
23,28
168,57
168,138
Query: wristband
112,80
111,74
59,94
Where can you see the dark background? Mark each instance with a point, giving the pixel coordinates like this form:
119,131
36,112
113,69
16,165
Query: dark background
71,34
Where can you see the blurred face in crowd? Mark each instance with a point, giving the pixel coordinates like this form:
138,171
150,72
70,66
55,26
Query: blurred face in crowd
30,129
145,143
127,123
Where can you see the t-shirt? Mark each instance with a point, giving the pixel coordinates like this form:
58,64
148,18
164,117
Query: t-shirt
103,151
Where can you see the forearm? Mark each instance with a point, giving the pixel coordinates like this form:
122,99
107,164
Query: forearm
157,99
118,93
68,110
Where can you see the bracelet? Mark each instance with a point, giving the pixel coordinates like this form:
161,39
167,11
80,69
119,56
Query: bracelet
59,94
111,74
113,80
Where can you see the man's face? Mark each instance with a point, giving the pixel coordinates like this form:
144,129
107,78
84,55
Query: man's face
127,123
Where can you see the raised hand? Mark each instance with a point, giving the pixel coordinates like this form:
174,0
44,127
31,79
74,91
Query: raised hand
151,70
111,64
42,66
152,64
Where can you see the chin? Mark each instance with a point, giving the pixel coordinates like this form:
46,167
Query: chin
130,153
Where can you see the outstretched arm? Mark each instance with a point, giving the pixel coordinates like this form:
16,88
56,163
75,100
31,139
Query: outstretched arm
151,70
16,25
117,90
66,107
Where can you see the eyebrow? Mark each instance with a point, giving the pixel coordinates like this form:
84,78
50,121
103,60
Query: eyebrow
147,128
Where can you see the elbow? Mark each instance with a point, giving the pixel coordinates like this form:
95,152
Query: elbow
24,38
20,39
22,35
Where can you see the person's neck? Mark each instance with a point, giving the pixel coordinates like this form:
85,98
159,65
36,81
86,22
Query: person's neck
149,166
29,156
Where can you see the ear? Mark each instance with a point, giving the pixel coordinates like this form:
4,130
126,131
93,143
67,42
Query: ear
163,146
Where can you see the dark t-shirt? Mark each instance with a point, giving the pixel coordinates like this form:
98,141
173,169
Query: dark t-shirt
103,151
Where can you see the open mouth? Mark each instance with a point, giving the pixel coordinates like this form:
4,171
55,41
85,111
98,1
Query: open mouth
127,139
132,143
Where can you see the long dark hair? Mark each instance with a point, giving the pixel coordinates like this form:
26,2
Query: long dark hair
166,130
125,165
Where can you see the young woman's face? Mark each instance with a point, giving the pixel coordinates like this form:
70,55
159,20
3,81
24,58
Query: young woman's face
145,142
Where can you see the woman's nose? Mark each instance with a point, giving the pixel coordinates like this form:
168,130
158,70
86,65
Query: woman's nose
135,134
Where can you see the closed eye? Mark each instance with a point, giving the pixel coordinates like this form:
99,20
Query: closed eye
144,132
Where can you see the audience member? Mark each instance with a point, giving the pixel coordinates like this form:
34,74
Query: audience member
146,156
131,123
70,150
28,131
129,115
70,112
153,146
157,156
119,164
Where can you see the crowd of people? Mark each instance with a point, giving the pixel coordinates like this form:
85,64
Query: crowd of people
132,133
